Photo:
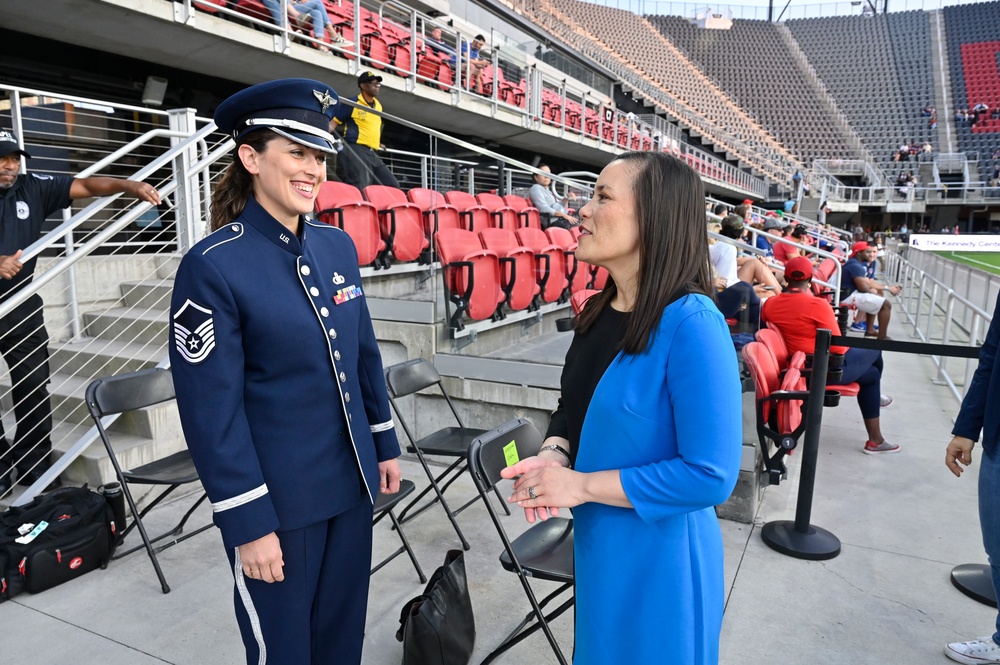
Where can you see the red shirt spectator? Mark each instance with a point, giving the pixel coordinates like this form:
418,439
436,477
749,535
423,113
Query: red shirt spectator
784,251
797,315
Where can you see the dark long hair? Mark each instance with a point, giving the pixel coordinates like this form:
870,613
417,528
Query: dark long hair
673,252
236,185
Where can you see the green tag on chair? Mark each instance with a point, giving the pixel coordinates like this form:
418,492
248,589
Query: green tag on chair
510,453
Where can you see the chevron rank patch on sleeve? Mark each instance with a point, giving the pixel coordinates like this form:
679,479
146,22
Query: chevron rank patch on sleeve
194,332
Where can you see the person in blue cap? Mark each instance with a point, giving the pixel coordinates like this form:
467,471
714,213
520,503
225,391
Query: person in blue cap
280,384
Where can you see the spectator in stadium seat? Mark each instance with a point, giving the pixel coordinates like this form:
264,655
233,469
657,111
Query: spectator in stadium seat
663,593
866,294
553,212
435,42
471,54
359,161
720,209
25,202
292,485
316,12
798,314
980,417
735,297
784,250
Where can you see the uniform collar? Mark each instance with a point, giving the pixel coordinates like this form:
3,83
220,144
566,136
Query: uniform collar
270,228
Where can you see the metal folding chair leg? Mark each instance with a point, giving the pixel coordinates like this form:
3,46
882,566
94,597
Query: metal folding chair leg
404,548
520,633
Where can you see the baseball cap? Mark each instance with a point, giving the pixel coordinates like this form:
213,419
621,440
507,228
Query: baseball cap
298,109
858,247
734,221
774,223
9,144
365,77
799,269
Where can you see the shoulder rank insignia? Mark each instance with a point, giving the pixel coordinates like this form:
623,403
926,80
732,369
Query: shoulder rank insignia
347,293
194,332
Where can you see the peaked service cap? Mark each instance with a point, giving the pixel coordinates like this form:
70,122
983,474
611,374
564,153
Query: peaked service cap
298,109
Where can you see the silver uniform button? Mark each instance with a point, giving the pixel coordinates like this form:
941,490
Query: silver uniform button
305,270
324,311
347,397
343,377
336,355
235,227
314,292
333,334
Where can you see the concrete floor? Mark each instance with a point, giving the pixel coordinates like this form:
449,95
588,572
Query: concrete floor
904,521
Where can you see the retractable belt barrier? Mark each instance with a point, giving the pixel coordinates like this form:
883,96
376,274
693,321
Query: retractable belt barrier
799,538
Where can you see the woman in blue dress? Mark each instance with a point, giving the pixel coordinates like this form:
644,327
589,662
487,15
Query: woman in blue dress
647,436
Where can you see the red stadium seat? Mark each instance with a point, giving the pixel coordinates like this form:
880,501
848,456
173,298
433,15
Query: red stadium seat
550,263
518,263
342,205
402,222
527,214
775,424
474,216
471,276
773,340
576,274
502,216
600,279
580,298
438,213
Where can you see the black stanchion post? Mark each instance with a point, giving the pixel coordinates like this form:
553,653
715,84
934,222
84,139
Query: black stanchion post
800,539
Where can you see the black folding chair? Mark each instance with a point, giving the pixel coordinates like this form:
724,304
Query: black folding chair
130,392
544,551
384,506
407,378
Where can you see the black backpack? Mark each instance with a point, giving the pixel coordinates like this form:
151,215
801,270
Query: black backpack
54,538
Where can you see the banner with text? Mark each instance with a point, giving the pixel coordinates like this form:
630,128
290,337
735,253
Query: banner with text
949,243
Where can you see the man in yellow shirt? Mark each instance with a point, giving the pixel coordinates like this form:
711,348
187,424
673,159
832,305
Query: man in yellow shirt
360,162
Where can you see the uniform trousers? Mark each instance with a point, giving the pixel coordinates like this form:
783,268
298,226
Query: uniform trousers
362,166
989,517
24,346
316,615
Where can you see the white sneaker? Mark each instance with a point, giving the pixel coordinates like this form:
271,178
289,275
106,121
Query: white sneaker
981,651
884,400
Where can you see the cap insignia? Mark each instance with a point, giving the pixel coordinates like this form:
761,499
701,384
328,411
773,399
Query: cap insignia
325,100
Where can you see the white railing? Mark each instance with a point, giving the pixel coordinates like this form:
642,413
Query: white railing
944,302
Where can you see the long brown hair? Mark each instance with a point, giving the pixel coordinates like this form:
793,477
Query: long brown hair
236,185
673,253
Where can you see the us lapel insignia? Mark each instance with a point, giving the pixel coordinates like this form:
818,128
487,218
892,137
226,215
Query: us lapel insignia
338,279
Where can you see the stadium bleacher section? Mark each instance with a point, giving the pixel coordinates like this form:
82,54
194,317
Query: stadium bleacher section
878,69
665,75
754,64
973,46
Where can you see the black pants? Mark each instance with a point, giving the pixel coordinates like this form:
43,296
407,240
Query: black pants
362,166
24,346
740,301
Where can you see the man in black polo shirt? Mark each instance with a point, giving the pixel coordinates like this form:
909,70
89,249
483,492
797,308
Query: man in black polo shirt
359,160
25,202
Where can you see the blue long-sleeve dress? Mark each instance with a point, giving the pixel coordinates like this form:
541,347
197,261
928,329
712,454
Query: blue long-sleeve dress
649,579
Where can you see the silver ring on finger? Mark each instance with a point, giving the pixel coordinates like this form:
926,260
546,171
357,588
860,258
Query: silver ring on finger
531,492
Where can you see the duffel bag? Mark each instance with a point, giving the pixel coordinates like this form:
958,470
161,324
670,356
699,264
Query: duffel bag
53,539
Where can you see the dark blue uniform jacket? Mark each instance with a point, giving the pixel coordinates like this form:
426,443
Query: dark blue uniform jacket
278,375
981,406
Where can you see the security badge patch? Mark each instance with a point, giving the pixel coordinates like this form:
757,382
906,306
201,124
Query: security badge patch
194,332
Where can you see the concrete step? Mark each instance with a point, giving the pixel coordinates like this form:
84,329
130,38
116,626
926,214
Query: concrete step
93,466
68,393
148,294
97,357
132,324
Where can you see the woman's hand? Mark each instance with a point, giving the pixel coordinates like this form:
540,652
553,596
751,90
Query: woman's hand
261,559
389,476
543,487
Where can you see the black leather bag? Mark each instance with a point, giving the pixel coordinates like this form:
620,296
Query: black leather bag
437,627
